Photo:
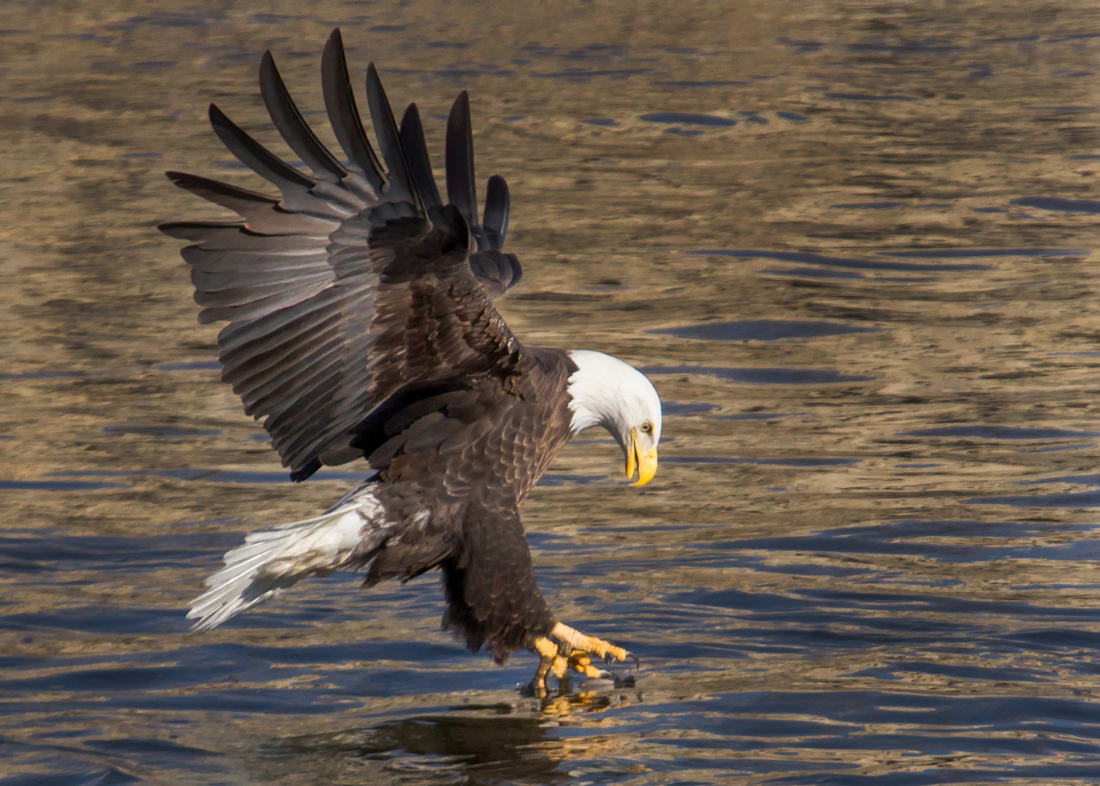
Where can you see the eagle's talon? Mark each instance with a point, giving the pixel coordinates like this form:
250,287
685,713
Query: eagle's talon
571,650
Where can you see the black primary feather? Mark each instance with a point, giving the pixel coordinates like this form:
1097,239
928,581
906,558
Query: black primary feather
292,126
416,155
461,188
389,140
495,218
343,113
254,155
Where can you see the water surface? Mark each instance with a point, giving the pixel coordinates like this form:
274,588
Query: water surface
854,244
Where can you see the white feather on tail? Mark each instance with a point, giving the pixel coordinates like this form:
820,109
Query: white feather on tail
272,560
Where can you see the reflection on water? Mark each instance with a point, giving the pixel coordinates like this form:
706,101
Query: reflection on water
489,748
761,330
851,243
761,376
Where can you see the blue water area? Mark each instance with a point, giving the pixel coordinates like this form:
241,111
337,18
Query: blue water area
557,480
761,330
190,365
672,408
794,117
753,117
59,551
1065,499
177,474
202,365
1000,432
942,540
240,476
809,258
802,46
584,74
606,122
1057,448
163,432
867,97
689,83
763,462
763,376
44,374
219,476
1084,480
56,485
167,19
986,253
1065,108
751,416
1059,204
869,205
1071,499
28,99
906,47
274,19
812,272
688,118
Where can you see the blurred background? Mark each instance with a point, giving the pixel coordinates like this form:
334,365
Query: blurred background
853,244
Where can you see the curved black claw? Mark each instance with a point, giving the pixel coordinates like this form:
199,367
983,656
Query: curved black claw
611,659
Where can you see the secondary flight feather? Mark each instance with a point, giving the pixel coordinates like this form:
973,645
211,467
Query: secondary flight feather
361,325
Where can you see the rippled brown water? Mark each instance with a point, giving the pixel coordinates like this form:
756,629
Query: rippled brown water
853,243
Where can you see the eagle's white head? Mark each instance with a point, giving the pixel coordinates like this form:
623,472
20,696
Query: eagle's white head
605,391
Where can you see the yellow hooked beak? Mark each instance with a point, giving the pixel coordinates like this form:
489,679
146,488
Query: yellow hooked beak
646,462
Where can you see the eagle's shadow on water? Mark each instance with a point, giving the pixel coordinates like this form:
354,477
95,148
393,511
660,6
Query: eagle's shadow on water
474,744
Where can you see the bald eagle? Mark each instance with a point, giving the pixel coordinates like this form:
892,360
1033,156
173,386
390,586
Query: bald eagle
361,325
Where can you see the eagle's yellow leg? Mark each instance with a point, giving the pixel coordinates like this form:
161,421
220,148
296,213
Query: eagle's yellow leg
573,651
590,644
550,662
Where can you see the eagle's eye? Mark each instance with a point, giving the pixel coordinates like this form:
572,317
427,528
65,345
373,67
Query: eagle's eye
647,428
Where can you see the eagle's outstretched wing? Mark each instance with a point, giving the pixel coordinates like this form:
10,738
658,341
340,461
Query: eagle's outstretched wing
357,283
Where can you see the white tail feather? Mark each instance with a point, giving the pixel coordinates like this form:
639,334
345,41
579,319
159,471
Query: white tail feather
272,560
